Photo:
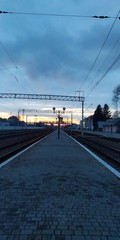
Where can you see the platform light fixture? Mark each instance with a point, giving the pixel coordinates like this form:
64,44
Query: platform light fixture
59,118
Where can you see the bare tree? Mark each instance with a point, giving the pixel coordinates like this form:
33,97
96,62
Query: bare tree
116,96
116,114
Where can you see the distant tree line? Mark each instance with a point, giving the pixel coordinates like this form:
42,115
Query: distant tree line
101,114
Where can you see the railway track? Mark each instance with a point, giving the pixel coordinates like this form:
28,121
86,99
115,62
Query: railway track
14,141
104,147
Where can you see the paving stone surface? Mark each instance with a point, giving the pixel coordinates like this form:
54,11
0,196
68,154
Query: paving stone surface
57,191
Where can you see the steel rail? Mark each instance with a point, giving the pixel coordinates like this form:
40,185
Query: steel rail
97,147
16,133
13,148
100,144
106,155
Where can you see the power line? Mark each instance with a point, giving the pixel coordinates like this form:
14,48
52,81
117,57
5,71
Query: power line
9,71
63,15
11,59
1,69
88,107
114,62
57,15
101,49
7,52
106,58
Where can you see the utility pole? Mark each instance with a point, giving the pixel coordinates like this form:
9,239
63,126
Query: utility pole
82,115
82,109
18,117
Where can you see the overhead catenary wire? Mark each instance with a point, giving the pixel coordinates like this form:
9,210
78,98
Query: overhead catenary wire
114,62
6,68
9,71
104,42
11,59
13,75
70,15
3,68
88,107
57,15
105,59
4,48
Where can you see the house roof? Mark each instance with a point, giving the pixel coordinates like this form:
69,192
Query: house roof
112,121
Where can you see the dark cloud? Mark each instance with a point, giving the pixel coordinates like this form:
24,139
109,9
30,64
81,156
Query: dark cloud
57,52
48,54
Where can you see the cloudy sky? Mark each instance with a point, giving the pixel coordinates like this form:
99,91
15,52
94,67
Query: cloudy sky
53,55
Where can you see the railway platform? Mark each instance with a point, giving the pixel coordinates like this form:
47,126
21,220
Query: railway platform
57,191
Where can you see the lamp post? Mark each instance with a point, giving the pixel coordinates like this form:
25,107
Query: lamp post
59,118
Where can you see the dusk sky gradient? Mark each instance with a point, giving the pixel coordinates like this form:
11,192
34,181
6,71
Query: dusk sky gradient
53,55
